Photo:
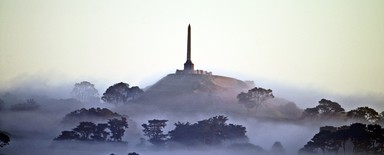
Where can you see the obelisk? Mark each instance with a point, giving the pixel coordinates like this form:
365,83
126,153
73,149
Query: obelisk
188,65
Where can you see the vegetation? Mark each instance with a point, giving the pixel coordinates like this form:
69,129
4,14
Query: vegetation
102,132
325,110
254,97
154,131
364,114
85,92
364,138
212,131
4,139
121,93
90,114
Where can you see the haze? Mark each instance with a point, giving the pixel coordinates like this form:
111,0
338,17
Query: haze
333,46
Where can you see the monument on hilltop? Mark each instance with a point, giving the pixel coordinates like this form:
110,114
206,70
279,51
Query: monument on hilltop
189,67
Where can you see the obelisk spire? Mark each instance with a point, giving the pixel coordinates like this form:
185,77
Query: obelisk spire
188,65
189,43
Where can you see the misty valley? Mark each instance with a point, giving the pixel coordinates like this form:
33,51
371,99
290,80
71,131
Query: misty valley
183,114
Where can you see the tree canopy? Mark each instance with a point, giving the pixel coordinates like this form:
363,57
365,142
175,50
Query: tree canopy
364,138
121,93
254,97
325,109
113,130
85,92
364,114
154,131
212,131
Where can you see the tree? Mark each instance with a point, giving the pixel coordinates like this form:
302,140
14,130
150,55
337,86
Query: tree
121,93
367,139
4,139
254,97
325,109
68,135
117,128
88,131
85,129
212,131
154,131
364,114
99,133
85,92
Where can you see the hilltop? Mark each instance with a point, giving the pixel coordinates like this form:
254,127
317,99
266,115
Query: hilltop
195,89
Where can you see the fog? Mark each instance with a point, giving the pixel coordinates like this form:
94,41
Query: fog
33,131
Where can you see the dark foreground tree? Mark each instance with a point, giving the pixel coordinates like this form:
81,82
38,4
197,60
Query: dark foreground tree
121,93
154,131
254,97
85,92
4,139
366,139
117,128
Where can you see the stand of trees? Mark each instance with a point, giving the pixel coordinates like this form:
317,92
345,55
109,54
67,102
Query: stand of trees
368,139
113,131
329,110
212,131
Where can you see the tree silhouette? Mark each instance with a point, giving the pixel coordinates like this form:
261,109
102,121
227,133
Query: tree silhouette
68,135
88,131
364,114
121,93
154,131
85,92
85,129
212,131
117,128
4,139
99,133
254,97
325,110
368,139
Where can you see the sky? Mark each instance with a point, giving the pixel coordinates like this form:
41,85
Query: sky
331,45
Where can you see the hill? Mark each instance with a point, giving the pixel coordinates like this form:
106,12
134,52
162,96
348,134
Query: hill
195,89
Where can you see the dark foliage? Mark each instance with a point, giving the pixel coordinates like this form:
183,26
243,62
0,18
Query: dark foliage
325,110
85,92
364,115
365,139
212,131
92,113
88,131
121,93
29,105
254,97
4,139
133,153
154,131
